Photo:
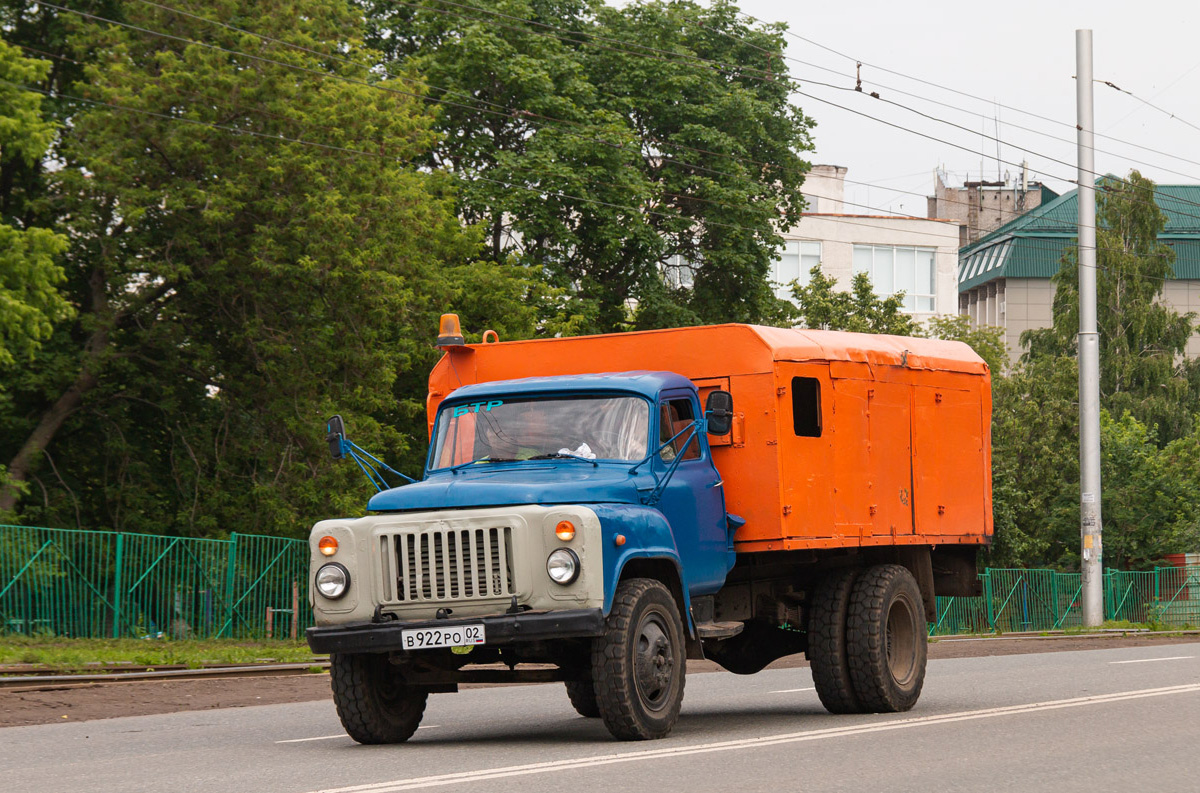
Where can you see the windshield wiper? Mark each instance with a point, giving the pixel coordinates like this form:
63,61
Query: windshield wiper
485,459
562,456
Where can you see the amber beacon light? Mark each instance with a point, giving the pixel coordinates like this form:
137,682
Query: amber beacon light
449,332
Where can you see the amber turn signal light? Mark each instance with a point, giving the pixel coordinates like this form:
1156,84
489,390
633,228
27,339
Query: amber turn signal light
327,545
565,530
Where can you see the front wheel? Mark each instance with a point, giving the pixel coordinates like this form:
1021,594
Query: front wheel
583,698
372,699
638,665
886,639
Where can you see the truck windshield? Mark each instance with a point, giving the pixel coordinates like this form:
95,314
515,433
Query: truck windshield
500,429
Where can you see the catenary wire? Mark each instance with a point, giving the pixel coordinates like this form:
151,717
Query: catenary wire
505,183
509,111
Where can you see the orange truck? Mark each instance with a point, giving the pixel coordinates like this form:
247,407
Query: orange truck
615,505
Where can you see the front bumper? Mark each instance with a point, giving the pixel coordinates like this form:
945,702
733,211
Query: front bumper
381,637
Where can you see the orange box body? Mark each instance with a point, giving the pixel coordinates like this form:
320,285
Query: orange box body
897,443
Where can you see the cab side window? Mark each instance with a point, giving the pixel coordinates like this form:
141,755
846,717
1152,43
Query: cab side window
674,416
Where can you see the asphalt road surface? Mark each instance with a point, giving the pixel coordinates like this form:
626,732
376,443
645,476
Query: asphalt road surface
1100,720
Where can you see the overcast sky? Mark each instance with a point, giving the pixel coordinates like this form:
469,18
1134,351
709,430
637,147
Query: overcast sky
1020,54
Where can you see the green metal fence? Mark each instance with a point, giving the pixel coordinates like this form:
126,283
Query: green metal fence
64,582
1041,600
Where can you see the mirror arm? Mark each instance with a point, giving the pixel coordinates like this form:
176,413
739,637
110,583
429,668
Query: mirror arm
654,495
663,445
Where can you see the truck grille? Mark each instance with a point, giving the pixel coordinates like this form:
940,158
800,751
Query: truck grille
447,564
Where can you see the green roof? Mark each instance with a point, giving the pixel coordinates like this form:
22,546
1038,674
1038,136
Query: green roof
1032,245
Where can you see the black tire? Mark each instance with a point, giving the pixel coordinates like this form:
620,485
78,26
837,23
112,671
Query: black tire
886,639
827,642
639,666
582,694
372,699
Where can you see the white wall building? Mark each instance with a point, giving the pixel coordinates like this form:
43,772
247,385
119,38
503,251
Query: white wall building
915,255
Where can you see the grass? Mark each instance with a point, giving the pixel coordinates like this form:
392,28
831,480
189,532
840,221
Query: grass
81,654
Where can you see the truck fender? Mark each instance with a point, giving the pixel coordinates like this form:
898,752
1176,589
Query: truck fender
647,539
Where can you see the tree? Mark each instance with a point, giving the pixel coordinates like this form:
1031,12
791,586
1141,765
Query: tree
30,302
1035,464
596,145
987,342
825,307
1149,503
252,249
1142,340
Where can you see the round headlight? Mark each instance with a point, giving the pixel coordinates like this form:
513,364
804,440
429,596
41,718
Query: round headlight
332,581
563,566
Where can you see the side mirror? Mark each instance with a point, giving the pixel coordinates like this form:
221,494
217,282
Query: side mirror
718,412
335,432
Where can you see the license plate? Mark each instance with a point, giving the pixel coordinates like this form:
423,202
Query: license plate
426,638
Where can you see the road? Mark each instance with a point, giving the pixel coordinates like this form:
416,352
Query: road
1100,720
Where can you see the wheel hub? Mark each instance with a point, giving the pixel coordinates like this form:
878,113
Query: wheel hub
654,662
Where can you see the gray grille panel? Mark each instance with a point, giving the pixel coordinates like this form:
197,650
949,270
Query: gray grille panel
447,564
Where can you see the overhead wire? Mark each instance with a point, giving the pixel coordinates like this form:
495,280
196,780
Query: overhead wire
736,72
819,99
1147,103
411,94
959,108
505,183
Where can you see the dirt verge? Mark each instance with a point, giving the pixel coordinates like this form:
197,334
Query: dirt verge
106,701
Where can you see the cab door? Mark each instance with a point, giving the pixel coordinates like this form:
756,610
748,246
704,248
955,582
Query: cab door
693,500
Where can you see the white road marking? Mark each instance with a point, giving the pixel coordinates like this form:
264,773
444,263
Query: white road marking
791,690
752,743
344,735
1148,660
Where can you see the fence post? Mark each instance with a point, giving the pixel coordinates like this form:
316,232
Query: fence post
987,597
1110,595
229,575
118,585
295,608
1054,597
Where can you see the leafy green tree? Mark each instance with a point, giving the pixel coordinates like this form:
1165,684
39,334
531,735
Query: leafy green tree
987,342
30,302
821,305
1142,339
1149,503
1035,464
253,247
596,145
1148,497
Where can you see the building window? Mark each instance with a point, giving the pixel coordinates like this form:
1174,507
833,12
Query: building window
680,273
794,263
894,268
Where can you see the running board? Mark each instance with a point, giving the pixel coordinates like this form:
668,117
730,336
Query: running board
718,630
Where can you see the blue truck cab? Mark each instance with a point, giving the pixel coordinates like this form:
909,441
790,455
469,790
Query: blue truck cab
570,520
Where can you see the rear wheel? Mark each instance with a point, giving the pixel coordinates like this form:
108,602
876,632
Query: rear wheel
827,642
582,694
372,699
638,666
886,639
